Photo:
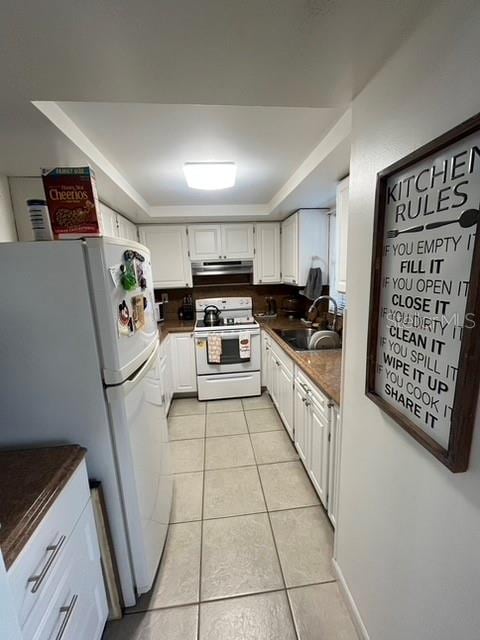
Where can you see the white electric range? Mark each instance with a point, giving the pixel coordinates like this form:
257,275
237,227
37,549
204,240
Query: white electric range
235,374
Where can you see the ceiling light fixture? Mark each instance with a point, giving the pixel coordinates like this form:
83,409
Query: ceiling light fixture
210,175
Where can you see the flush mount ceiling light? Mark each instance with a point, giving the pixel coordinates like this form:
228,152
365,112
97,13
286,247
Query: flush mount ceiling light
210,175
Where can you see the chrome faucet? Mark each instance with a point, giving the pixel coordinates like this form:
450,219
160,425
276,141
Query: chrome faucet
313,306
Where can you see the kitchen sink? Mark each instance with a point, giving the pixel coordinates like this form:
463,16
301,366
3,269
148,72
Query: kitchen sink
310,339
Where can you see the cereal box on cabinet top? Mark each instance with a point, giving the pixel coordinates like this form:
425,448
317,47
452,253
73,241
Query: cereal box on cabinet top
72,201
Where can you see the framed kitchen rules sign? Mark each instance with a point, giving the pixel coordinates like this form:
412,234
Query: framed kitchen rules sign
423,366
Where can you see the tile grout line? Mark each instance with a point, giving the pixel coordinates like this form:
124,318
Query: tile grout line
274,542
226,435
226,598
248,513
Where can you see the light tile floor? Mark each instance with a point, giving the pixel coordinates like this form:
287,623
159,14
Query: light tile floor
248,554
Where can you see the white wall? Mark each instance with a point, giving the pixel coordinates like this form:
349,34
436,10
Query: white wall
408,541
8,232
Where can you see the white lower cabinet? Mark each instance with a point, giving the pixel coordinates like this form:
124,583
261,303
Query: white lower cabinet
334,463
281,370
182,356
312,428
265,360
285,398
166,377
311,419
302,433
318,458
56,581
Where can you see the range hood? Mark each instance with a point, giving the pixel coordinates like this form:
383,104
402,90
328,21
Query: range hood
221,268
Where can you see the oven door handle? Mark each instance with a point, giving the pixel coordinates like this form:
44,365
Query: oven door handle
231,334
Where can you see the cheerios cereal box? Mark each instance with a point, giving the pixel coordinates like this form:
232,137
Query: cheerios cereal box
72,200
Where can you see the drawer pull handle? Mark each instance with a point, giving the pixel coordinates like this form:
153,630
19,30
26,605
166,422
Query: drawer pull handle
68,614
38,579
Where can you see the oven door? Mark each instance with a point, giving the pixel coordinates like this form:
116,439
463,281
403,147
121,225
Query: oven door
230,361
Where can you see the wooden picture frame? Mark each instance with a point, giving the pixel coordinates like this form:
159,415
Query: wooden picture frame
451,444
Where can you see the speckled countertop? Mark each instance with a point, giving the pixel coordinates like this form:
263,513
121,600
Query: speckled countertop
30,481
324,368
174,326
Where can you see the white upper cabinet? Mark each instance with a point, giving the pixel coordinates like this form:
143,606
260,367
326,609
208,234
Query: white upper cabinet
237,241
169,248
266,264
289,269
109,221
126,229
220,241
341,235
304,243
205,241
117,226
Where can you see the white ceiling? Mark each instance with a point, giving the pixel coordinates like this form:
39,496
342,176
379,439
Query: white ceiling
150,143
307,54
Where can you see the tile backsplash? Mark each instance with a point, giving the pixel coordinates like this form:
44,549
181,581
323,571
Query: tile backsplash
258,293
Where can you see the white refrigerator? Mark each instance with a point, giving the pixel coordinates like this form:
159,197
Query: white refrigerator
79,357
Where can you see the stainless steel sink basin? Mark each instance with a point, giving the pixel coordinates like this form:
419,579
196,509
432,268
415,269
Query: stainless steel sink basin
310,339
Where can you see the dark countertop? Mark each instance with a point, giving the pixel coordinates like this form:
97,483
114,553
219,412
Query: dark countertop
30,481
324,368
174,326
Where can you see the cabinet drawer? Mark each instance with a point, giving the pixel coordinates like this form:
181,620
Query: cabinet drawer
75,608
320,399
36,569
282,357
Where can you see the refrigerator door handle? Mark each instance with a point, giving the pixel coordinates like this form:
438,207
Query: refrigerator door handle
139,374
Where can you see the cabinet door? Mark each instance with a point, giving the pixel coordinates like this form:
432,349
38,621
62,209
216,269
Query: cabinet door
182,351
266,265
290,250
109,221
334,463
171,267
273,366
205,241
265,359
285,398
318,454
301,423
341,235
127,229
168,382
237,241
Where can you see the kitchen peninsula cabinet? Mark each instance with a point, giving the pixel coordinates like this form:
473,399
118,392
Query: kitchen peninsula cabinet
52,556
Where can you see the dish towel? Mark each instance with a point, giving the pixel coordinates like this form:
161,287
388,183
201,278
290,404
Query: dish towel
313,288
244,345
214,348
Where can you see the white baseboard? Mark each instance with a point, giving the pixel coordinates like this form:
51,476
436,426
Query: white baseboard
350,602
